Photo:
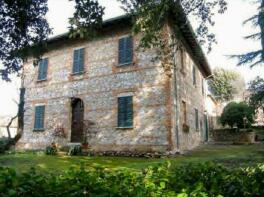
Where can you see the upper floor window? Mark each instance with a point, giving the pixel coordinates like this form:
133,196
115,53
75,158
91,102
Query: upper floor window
203,90
39,118
42,69
78,61
125,50
194,74
183,59
125,112
184,112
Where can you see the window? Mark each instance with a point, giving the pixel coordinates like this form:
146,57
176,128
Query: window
42,70
39,118
183,60
78,61
202,86
125,51
194,75
196,120
125,112
184,112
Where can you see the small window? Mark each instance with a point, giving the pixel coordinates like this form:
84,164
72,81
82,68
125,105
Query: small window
42,70
39,118
184,112
183,60
194,75
203,86
125,112
125,50
196,120
78,61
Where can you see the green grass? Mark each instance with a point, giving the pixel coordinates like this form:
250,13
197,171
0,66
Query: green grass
229,155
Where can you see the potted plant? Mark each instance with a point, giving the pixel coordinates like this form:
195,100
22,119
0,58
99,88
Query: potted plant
185,128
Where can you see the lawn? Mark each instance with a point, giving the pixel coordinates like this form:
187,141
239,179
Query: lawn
229,155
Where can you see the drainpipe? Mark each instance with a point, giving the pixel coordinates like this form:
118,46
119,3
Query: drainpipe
175,97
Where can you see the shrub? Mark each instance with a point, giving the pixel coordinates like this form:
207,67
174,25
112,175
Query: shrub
234,114
3,144
187,180
75,150
52,149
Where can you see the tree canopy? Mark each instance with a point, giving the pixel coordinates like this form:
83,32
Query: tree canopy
237,114
256,89
23,25
223,86
256,57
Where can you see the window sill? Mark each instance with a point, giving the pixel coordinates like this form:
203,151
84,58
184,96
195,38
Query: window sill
41,80
124,128
38,130
77,74
126,64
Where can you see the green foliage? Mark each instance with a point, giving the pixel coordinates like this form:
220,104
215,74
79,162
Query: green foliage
222,85
256,57
203,180
87,19
51,150
234,114
150,16
75,150
23,31
3,144
256,88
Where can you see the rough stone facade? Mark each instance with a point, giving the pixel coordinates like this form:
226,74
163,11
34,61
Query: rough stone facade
99,87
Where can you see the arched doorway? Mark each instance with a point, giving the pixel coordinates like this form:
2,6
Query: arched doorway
77,133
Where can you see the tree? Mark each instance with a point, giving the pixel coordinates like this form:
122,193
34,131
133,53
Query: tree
24,29
256,89
256,57
235,114
222,85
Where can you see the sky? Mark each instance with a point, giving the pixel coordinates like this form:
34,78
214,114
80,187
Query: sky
229,30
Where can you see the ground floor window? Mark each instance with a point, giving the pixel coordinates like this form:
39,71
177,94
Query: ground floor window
125,111
39,118
196,120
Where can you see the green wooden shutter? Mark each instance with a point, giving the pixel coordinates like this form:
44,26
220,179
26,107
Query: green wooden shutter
125,55
196,119
78,61
125,111
39,117
129,108
129,49
203,90
194,75
121,54
43,68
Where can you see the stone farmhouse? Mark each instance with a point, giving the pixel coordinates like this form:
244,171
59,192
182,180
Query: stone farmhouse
113,96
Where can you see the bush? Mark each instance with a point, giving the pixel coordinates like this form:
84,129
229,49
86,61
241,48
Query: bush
52,149
234,114
75,150
3,144
187,180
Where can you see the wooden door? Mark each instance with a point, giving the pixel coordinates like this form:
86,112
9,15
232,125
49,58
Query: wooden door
77,121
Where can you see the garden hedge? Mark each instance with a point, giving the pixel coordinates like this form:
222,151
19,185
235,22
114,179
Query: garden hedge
188,180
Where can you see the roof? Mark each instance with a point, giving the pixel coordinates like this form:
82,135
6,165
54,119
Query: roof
187,34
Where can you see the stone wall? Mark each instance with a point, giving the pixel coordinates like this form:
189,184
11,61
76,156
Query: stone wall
99,87
233,136
194,98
